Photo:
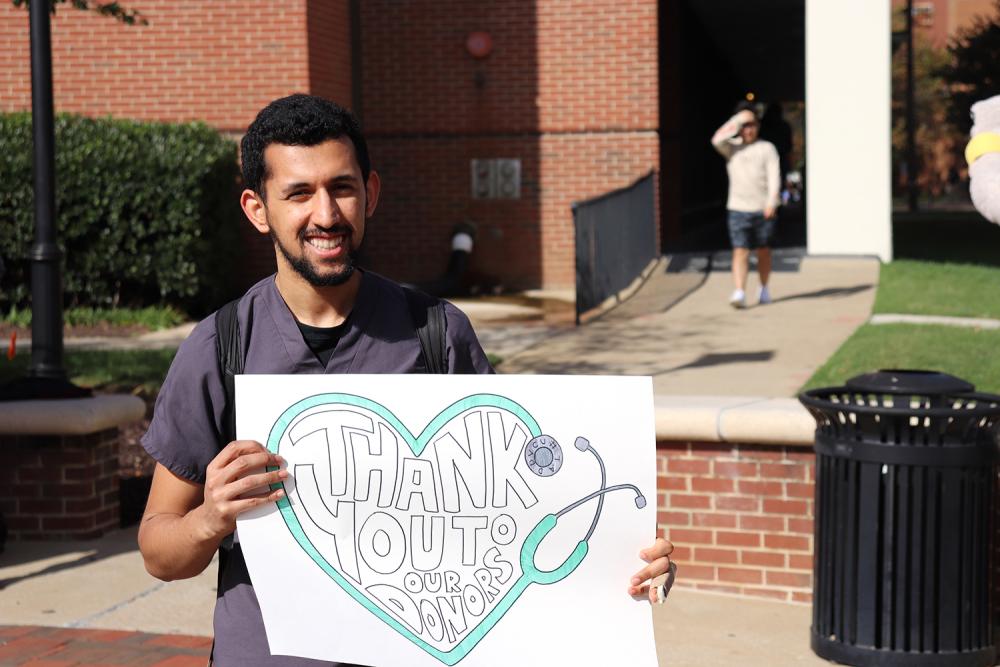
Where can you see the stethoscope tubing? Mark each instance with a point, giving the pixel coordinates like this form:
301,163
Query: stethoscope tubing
600,492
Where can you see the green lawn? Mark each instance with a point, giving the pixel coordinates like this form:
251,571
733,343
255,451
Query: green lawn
938,288
946,264
970,354
129,371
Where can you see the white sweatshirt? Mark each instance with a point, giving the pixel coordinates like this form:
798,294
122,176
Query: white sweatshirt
754,170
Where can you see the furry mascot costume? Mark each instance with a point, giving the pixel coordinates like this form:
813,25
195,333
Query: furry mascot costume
983,156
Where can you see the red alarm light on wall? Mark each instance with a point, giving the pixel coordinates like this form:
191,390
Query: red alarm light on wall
479,44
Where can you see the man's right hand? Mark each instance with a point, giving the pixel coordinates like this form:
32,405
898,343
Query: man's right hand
236,481
185,521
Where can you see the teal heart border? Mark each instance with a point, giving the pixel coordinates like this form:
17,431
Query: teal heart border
417,445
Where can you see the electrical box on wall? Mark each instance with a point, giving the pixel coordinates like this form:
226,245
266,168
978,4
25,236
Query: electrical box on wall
497,178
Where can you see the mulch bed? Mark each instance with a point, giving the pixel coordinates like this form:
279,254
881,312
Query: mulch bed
133,461
135,466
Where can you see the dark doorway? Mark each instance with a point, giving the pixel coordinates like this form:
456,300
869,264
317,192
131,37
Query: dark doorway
713,53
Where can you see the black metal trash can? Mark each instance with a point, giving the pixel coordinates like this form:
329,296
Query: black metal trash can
905,472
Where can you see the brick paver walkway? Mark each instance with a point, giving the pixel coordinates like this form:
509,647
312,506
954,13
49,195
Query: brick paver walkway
33,646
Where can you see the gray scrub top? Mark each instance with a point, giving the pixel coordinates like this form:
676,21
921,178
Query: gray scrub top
185,433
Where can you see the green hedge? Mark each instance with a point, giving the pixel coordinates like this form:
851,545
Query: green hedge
147,212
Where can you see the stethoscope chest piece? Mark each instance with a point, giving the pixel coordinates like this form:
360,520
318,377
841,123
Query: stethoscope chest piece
543,455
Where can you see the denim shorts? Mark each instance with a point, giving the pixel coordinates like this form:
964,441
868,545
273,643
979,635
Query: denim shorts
750,229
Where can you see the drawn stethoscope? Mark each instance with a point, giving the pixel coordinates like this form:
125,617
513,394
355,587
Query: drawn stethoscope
544,457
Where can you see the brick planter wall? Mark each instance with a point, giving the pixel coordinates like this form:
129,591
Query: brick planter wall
740,516
59,486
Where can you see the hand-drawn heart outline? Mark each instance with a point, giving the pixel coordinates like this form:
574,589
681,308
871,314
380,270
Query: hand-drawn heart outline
530,573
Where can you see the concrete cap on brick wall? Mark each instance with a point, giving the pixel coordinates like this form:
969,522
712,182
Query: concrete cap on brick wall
78,416
744,419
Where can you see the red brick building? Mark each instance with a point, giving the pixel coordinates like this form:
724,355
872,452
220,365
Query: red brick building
569,88
939,21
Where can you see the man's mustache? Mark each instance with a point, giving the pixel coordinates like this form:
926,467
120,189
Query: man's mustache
338,228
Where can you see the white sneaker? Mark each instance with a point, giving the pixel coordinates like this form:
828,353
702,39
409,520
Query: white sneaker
764,296
738,299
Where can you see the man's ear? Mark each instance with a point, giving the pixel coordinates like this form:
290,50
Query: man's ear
254,208
372,189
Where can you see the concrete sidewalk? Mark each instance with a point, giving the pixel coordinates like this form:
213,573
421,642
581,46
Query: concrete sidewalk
703,346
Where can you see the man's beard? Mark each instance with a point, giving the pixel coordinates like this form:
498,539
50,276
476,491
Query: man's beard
302,266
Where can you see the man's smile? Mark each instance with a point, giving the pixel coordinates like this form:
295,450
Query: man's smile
325,242
328,244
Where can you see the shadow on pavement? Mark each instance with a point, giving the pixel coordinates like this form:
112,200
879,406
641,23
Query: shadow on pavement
829,291
714,359
16,560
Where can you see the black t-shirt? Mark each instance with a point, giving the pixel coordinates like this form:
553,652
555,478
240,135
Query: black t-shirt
322,340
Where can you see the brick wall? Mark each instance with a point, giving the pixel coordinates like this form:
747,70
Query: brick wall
575,167
214,61
740,516
59,487
570,88
328,25
409,237
217,62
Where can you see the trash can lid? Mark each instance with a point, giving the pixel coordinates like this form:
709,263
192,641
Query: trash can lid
896,381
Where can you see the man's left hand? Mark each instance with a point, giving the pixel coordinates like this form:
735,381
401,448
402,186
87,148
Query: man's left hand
658,558
770,212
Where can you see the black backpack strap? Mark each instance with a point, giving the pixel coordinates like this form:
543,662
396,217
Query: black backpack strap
229,347
427,313
229,350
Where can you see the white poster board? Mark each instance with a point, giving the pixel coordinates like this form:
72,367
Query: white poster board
429,520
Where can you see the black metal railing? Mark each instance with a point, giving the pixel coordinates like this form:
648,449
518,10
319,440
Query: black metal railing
615,241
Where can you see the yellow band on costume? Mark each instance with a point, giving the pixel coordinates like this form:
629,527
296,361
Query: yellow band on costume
985,142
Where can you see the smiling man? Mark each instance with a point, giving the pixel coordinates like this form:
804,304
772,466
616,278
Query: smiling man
310,186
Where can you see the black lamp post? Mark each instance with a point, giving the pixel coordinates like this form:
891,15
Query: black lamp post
46,375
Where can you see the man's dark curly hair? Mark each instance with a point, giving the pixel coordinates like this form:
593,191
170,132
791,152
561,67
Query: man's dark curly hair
297,120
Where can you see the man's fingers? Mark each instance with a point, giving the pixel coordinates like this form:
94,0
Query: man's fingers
654,590
651,571
234,450
249,502
243,487
657,557
661,587
245,464
660,548
247,484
